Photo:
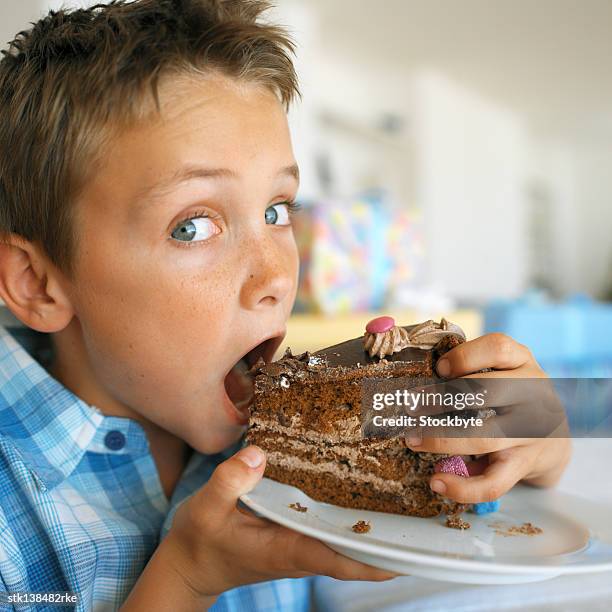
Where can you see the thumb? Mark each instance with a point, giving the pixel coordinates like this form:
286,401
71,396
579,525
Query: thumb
231,479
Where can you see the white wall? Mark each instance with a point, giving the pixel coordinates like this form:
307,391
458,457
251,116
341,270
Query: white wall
463,158
578,176
301,23
552,170
594,209
554,77
471,158
360,153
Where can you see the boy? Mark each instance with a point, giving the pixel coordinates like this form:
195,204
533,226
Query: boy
146,186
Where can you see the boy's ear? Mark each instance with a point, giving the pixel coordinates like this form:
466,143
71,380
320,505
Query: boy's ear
31,286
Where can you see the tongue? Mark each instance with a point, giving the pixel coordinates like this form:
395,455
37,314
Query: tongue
239,387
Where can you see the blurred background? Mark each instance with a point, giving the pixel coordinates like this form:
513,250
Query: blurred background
456,161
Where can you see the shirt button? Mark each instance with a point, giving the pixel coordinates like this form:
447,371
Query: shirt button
114,440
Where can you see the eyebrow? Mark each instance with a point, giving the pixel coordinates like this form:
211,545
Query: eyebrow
190,173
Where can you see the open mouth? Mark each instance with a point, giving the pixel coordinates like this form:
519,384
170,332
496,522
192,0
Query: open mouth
239,384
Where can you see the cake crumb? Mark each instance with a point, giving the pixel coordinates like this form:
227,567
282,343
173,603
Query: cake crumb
454,521
361,527
298,507
525,529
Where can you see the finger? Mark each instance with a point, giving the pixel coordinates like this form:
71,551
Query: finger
523,421
250,515
478,466
295,553
505,469
495,350
493,435
465,446
480,391
453,427
310,555
234,477
343,568
245,510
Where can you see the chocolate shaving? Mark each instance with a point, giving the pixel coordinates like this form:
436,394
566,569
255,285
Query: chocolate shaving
361,527
274,369
298,507
454,521
288,365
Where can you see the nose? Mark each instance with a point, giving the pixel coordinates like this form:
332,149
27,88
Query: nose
271,274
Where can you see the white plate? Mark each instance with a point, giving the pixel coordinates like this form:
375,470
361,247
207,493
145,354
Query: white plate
576,537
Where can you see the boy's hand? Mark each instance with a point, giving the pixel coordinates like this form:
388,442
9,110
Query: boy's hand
536,461
218,546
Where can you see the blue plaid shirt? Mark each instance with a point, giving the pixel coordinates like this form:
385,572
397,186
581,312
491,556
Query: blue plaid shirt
81,504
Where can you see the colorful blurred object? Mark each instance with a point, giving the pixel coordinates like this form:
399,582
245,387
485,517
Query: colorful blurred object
355,254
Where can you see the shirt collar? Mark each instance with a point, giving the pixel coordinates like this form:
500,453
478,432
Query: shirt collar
48,426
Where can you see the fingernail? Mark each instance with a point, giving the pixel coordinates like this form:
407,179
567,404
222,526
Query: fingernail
252,456
414,440
443,368
438,486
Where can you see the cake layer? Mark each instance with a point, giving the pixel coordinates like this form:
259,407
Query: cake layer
385,473
389,459
345,491
303,403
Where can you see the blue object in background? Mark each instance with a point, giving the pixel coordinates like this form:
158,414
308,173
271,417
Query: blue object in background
485,507
571,339
379,260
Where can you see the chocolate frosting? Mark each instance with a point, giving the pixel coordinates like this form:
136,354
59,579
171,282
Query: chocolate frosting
352,354
424,335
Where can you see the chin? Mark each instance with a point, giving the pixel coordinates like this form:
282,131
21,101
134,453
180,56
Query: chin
211,442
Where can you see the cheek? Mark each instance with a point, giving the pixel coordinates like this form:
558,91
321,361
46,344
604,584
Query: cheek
135,280
150,321
294,263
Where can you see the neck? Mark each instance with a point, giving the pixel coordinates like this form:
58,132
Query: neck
72,368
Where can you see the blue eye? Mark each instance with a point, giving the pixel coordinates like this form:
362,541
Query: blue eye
278,214
197,224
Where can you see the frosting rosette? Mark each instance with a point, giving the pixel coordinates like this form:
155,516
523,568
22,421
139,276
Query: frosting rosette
396,338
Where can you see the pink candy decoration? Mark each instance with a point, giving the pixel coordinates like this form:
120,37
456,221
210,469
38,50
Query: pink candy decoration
380,325
452,465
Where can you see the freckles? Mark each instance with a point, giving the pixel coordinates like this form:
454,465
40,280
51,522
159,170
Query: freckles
199,295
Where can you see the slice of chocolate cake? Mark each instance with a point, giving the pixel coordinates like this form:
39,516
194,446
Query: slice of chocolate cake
306,416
